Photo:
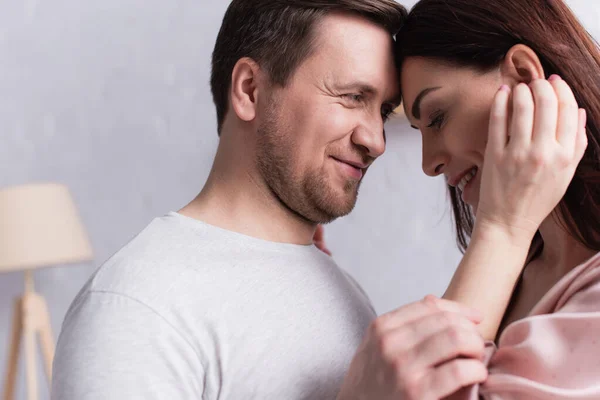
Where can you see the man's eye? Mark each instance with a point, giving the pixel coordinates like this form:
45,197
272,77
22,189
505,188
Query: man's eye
356,98
387,112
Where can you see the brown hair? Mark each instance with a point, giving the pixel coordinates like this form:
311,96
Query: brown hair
278,34
478,34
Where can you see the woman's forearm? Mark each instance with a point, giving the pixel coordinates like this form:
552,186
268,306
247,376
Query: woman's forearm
487,274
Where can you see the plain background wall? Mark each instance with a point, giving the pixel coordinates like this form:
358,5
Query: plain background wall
112,98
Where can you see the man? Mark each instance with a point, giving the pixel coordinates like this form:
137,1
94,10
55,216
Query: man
228,298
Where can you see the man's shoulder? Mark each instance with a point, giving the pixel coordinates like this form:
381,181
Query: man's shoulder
150,265
157,250
175,259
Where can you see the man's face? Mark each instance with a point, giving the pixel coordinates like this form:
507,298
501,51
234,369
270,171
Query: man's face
319,134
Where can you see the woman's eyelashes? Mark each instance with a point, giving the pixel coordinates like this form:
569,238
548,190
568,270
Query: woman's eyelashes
437,119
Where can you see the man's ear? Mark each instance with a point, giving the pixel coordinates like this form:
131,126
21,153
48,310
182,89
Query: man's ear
521,65
244,88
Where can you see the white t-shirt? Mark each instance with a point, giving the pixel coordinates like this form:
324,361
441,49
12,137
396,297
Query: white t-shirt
191,311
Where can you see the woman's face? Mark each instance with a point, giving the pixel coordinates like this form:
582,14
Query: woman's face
451,107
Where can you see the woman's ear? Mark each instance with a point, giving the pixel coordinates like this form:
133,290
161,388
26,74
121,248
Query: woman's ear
521,65
244,89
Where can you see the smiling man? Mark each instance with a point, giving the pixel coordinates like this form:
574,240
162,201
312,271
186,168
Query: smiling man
228,298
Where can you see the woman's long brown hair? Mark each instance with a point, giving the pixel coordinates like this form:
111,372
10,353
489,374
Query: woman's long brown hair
478,34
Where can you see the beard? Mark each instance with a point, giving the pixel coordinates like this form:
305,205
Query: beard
309,194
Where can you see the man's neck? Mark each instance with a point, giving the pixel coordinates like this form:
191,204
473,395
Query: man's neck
236,198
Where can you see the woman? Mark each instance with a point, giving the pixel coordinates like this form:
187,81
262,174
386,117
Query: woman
453,56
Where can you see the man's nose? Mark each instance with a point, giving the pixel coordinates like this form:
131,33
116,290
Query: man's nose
370,135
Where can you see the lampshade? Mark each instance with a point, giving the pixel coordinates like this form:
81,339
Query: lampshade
40,227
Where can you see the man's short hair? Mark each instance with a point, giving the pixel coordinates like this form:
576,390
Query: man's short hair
279,36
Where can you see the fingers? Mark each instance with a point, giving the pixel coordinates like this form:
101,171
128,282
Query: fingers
498,129
454,375
321,246
434,356
568,123
418,310
319,235
521,126
452,342
409,336
411,352
582,141
546,113
319,240
556,117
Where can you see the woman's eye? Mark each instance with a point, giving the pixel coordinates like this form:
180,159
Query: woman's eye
437,120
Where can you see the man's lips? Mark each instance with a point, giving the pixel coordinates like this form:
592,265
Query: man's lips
355,169
355,164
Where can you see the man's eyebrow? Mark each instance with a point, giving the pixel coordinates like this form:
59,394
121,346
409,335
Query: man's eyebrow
416,108
358,85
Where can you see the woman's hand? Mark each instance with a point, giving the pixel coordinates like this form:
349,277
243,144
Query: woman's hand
530,158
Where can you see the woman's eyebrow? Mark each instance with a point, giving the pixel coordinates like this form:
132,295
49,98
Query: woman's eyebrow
416,108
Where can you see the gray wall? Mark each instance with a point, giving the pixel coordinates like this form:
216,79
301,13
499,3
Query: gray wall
112,98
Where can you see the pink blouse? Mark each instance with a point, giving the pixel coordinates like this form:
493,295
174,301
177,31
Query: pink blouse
553,353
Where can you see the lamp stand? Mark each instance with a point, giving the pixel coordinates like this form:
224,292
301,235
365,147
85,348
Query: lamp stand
30,319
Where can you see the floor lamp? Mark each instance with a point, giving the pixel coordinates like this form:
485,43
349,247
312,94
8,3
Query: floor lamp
39,227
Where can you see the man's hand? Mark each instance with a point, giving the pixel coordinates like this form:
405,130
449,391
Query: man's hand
426,350
319,240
